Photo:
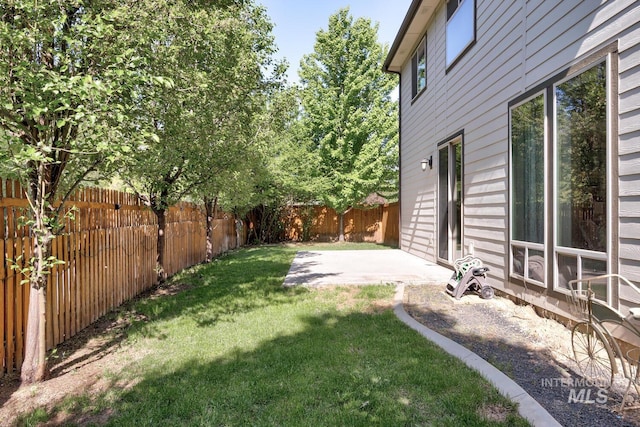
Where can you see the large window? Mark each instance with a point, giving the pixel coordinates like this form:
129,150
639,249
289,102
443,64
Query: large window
559,201
461,28
581,171
527,189
419,68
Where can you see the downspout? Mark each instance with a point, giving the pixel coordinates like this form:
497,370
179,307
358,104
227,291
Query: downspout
411,13
399,156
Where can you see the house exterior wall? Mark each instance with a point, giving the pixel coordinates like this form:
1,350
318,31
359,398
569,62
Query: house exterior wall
519,46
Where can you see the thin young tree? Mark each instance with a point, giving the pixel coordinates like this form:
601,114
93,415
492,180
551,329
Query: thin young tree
349,112
286,166
67,82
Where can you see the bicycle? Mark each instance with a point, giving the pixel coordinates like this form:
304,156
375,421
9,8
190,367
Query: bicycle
594,348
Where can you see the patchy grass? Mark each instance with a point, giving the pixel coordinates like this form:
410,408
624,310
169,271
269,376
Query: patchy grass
234,347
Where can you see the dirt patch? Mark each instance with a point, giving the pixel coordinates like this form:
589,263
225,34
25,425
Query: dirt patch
348,297
80,365
494,413
169,289
533,351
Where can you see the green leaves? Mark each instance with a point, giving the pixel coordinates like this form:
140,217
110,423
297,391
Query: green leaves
64,81
348,111
200,109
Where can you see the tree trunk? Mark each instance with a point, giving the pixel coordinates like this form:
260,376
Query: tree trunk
162,228
34,366
341,230
210,209
239,227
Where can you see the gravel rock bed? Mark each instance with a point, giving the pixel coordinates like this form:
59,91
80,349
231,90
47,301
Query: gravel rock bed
533,351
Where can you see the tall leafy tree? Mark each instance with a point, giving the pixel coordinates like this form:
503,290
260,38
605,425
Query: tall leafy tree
68,79
349,112
217,55
287,167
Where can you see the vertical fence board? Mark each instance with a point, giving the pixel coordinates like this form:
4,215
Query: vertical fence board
117,268
129,259
102,298
94,290
3,287
73,290
68,310
3,235
53,295
108,277
9,313
19,304
84,279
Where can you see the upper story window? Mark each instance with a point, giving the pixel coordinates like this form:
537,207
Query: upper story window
419,68
461,28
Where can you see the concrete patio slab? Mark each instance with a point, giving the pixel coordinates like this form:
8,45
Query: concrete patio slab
354,267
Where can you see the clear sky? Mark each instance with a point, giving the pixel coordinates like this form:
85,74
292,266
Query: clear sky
297,22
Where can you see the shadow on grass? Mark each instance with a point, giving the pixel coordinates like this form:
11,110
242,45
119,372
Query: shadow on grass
340,369
96,341
217,291
231,285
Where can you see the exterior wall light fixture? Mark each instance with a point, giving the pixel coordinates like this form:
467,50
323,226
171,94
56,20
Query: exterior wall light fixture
425,162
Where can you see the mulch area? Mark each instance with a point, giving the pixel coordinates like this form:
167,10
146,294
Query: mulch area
533,351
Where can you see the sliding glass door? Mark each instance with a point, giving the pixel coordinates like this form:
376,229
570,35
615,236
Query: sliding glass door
450,200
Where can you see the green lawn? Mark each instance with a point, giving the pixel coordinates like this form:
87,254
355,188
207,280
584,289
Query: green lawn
235,348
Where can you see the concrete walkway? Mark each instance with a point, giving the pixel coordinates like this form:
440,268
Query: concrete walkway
323,268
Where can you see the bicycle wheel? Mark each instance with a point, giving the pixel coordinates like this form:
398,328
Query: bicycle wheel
593,354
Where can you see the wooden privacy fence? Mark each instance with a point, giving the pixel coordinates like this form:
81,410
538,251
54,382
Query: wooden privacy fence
379,224
109,254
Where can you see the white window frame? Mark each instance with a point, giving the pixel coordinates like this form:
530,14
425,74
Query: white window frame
580,253
526,246
552,250
421,51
